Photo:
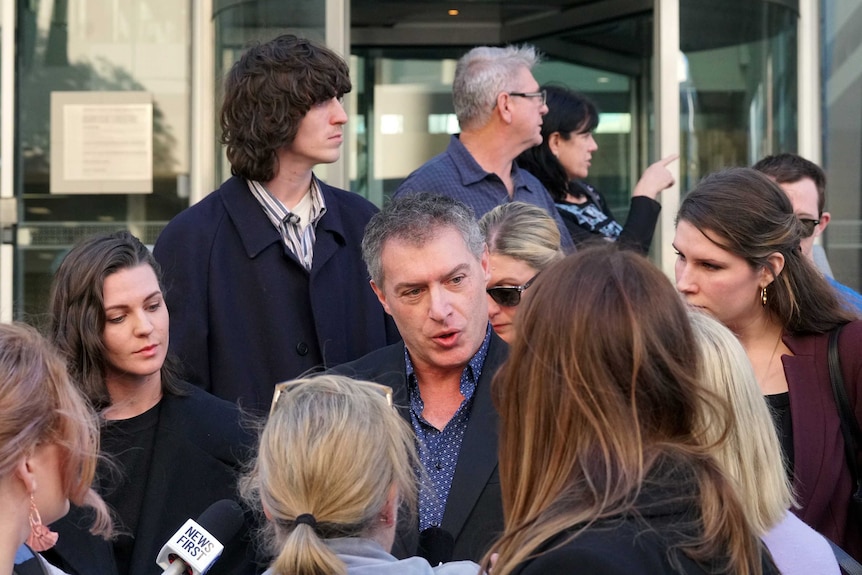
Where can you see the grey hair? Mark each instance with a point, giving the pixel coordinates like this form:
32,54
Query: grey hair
523,232
417,219
483,73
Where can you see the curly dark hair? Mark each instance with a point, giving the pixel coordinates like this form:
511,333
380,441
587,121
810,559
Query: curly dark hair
267,92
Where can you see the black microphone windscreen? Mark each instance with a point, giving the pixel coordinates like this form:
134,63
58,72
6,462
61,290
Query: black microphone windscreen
436,545
223,519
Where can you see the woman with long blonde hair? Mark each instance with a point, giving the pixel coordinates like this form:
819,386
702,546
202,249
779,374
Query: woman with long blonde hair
335,464
602,467
751,454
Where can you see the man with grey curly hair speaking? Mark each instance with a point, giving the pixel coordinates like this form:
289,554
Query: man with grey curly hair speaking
429,266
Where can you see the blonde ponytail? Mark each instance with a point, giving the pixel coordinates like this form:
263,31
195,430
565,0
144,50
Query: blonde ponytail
313,475
304,552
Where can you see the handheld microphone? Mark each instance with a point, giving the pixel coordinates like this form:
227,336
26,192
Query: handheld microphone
195,547
436,545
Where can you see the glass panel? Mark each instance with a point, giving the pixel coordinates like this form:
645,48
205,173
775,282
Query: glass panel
842,136
401,115
737,84
96,46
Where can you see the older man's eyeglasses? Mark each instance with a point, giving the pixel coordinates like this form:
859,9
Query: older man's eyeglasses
509,296
541,94
808,226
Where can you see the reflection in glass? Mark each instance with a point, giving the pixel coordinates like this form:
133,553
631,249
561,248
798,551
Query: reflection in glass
92,46
842,136
737,84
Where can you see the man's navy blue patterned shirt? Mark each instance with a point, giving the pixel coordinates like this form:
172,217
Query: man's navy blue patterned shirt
439,449
455,173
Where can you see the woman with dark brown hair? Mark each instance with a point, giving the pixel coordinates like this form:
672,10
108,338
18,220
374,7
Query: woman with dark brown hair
739,258
563,160
601,465
173,448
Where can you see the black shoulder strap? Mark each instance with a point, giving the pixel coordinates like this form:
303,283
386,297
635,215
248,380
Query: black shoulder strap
849,425
846,562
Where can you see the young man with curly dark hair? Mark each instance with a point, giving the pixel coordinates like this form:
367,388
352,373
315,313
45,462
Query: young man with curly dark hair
264,277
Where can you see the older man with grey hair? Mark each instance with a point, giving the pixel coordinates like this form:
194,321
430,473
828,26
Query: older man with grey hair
499,107
429,266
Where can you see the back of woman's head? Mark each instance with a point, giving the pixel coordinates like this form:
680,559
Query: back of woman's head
600,394
523,232
333,448
602,371
569,113
750,454
749,215
41,406
78,310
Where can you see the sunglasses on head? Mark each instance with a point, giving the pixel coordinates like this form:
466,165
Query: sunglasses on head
509,296
808,226
286,387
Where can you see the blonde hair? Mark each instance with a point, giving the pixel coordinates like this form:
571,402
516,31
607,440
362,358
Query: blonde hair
751,454
523,232
41,405
333,448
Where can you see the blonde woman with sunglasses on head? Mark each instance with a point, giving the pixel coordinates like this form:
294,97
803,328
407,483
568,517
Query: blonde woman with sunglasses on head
335,466
522,241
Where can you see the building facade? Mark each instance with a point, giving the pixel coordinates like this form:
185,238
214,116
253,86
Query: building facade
108,109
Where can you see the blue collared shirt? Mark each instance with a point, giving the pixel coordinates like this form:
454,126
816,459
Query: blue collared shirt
847,295
455,173
439,449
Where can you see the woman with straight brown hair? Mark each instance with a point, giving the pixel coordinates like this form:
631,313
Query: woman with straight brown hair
739,259
173,449
601,466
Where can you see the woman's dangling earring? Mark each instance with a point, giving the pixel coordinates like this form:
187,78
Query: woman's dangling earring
763,296
41,538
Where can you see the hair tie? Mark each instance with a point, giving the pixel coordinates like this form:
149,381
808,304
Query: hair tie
306,519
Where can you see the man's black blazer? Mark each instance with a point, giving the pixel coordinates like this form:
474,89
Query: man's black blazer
474,509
